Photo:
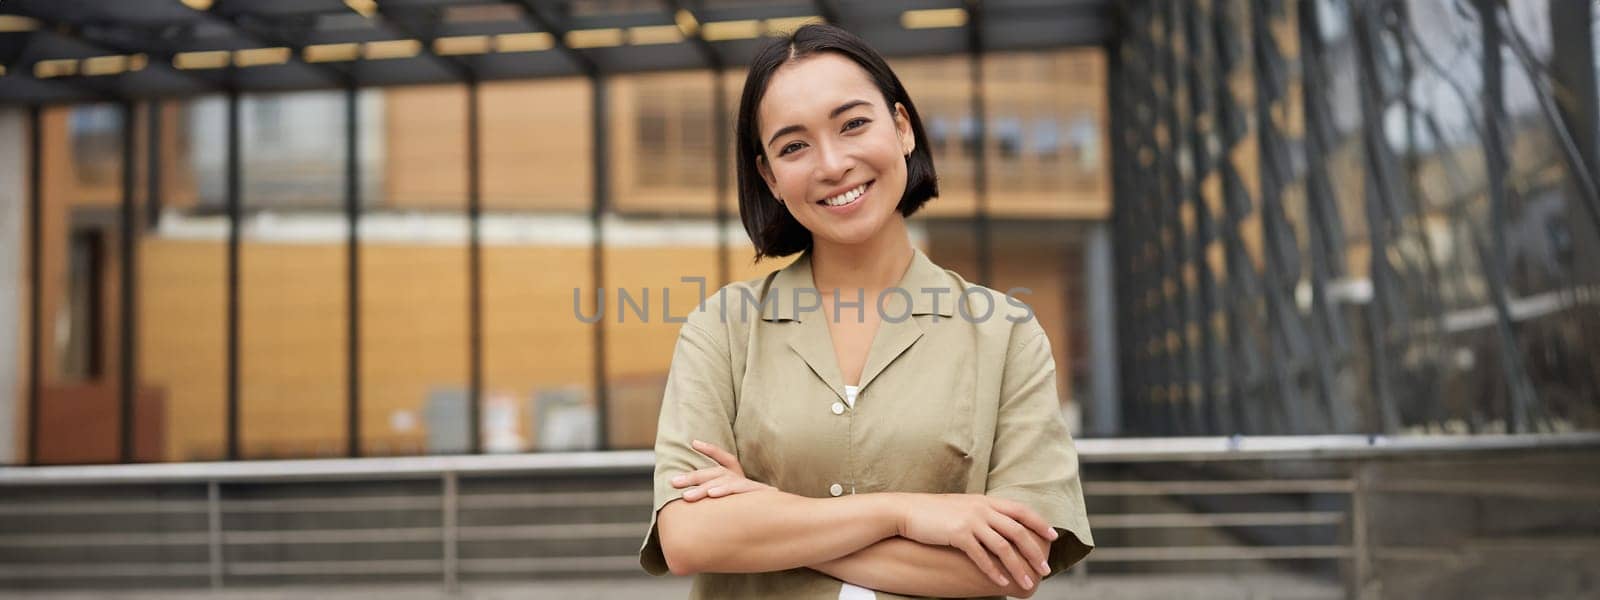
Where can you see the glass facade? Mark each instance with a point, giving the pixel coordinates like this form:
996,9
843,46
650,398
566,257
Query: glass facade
383,308
1358,217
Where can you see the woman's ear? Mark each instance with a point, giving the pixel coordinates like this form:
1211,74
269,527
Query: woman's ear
766,175
902,128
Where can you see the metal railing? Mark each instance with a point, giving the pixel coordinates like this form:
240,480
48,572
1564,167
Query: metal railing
450,518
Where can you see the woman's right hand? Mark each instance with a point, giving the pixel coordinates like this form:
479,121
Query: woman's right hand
980,526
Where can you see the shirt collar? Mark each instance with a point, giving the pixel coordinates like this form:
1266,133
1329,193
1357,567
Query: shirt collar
930,288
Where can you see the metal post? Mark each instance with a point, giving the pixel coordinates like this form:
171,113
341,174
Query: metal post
1179,306
154,161
601,203
1377,188
719,142
1360,544
235,215
474,271
1213,366
127,350
352,259
1572,69
1520,396
448,519
980,162
35,280
214,541
1105,413
1245,371
1329,340
1287,342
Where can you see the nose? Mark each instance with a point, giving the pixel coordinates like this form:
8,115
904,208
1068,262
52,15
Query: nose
834,162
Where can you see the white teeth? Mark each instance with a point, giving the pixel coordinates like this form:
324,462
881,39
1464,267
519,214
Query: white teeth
847,197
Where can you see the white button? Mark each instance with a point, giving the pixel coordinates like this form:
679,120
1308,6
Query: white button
838,408
836,489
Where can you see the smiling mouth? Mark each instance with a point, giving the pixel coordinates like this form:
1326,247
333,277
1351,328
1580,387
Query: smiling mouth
847,198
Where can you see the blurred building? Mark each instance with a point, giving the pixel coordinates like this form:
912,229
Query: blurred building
371,299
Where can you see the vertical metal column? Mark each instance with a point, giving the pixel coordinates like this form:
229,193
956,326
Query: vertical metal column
154,162
214,538
602,201
1186,410
1213,364
474,272
1288,346
980,162
35,280
1378,185
1105,413
1245,370
1520,395
1572,69
127,316
352,258
449,519
235,215
1329,338
719,143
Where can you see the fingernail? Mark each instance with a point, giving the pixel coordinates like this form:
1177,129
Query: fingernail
698,442
677,480
1054,534
1004,581
1027,583
1044,568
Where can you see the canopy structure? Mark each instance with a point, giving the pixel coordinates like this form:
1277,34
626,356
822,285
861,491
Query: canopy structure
76,50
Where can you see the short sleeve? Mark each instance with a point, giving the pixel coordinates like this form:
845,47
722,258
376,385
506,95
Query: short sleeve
1034,461
697,405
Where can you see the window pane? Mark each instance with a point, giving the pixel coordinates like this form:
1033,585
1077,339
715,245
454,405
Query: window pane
414,288
292,301
538,356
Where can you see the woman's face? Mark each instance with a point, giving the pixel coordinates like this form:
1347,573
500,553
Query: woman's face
834,152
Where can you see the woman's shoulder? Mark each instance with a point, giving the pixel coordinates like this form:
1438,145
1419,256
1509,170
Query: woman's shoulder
1000,312
735,305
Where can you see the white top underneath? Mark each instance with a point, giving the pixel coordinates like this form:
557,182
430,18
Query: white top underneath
848,591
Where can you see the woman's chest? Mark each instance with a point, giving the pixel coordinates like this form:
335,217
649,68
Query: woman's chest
920,423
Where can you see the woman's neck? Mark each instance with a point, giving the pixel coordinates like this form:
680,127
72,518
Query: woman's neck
875,264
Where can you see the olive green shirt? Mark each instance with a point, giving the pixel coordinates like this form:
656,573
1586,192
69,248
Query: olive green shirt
952,400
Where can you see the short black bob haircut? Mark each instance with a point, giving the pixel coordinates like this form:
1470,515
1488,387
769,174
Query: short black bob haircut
772,229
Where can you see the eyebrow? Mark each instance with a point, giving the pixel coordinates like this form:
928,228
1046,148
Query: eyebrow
833,114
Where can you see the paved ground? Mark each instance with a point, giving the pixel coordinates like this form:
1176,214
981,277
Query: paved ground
1188,587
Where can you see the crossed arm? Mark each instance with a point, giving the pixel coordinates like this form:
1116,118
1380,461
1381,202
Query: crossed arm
863,539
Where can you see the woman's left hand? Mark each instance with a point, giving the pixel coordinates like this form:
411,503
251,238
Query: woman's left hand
725,479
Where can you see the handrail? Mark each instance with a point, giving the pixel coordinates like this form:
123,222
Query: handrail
1093,450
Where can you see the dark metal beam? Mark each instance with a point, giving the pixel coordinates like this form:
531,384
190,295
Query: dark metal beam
585,64
227,14
35,280
600,162
1325,230
127,355
352,214
77,35
707,52
474,270
1520,395
153,162
980,162
455,64
235,215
